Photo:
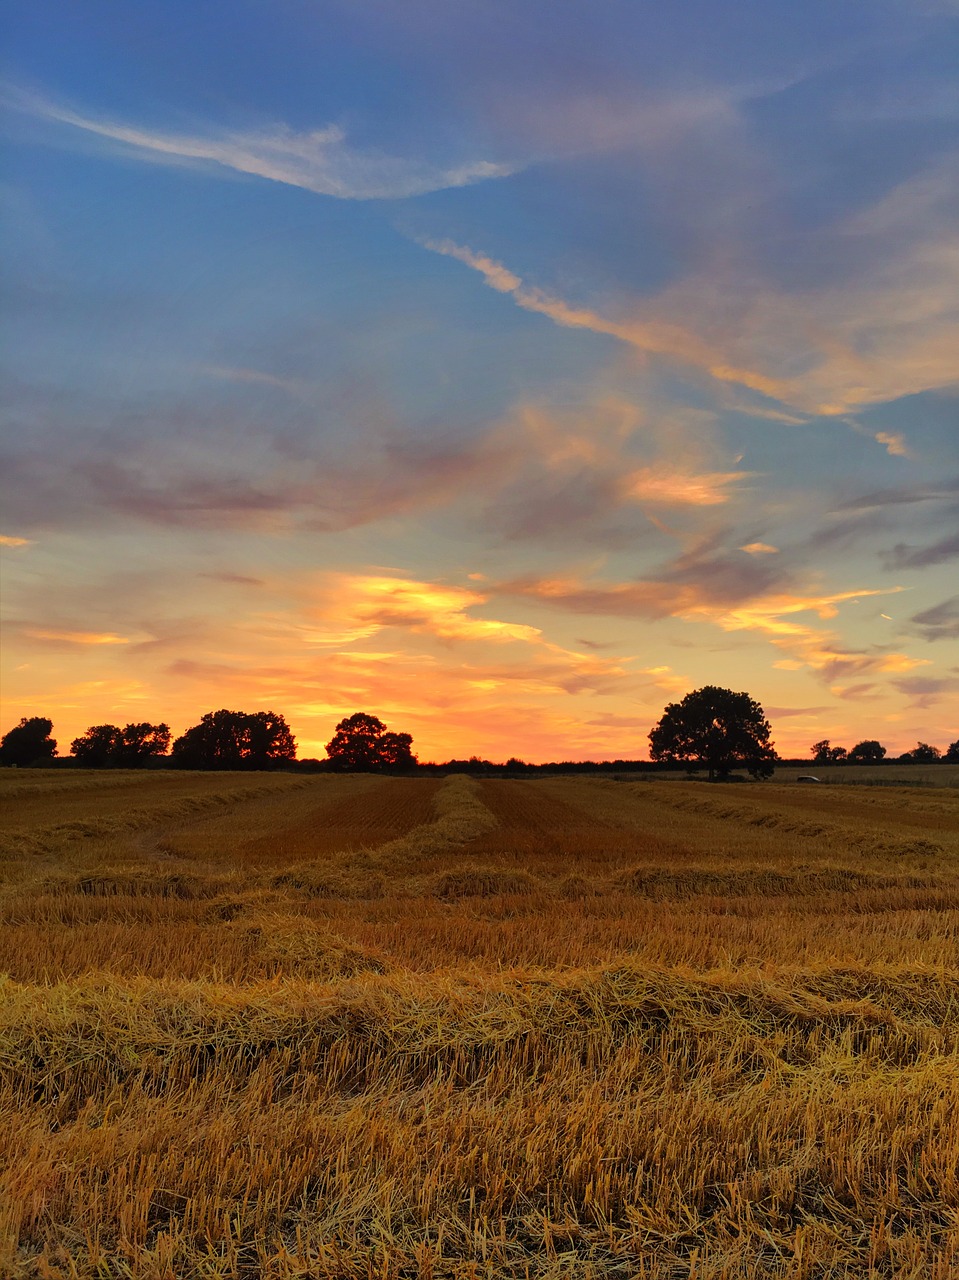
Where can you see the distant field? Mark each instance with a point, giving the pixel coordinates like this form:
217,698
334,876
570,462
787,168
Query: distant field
914,775
287,1026
897,775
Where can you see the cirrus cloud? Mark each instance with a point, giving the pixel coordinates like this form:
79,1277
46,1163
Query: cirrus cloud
320,160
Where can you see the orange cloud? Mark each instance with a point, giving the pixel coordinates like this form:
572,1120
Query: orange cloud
77,637
894,442
813,647
421,655
367,604
659,485
7,541
760,549
666,679
772,614
590,470
509,688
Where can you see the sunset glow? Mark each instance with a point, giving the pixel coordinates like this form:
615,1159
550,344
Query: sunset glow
502,372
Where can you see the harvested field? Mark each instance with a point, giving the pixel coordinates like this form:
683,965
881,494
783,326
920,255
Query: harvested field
287,1026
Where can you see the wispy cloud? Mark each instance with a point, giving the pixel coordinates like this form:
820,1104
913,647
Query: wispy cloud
776,615
817,648
941,622
233,579
321,160
829,349
903,495
788,713
673,488
357,607
903,556
75,637
605,469
926,691
540,468
652,337
7,540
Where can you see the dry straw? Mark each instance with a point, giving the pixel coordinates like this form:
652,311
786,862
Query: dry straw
393,1028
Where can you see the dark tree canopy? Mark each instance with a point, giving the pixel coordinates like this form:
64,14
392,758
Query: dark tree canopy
868,752
952,753
28,742
717,729
922,753
106,746
143,742
99,747
235,740
825,753
362,743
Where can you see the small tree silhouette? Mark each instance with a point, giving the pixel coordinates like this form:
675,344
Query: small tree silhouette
106,746
362,744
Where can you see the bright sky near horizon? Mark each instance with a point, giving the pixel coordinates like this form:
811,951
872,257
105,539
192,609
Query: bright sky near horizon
502,369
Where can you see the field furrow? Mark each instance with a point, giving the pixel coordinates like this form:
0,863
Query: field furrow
356,1027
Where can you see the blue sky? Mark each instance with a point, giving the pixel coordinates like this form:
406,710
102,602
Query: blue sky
504,370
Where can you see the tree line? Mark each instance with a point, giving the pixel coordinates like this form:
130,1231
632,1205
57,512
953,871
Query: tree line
872,752
712,728
221,740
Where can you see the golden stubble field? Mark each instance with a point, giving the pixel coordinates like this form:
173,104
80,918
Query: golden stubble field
286,1026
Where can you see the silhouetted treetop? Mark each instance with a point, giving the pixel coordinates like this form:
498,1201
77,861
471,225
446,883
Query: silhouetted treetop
235,740
142,742
28,742
99,747
716,729
362,743
106,746
867,752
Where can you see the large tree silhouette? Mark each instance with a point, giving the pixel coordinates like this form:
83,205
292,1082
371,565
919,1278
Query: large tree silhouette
717,729
235,740
362,743
867,752
28,742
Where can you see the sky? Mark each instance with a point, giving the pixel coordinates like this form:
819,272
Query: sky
503,369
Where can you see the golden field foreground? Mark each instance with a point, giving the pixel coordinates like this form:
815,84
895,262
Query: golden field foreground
287,1026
